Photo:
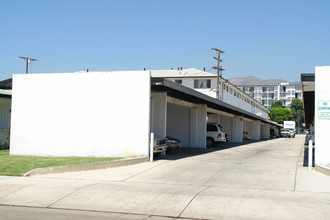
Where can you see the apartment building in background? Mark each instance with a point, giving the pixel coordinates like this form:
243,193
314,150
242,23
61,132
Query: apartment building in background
268,91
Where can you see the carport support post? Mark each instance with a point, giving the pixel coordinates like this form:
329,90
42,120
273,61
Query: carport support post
197,131
255,130
238,124
265,131
151,149
310,154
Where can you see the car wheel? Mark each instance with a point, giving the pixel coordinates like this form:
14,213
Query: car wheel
209,142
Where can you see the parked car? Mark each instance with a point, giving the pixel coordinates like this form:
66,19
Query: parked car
160,145
214,134
173,143
246,135
288,133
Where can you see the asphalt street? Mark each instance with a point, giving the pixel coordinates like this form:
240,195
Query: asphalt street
254,180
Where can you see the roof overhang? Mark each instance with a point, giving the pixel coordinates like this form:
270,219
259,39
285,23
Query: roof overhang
6,84
5,88
180,92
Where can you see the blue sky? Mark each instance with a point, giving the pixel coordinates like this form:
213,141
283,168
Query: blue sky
267,39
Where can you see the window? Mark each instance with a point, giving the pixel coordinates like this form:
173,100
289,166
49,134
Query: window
202,83
211,128
251,89
227,88
264,89
221,129
178,81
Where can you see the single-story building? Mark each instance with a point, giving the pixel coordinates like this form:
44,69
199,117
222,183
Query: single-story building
106,114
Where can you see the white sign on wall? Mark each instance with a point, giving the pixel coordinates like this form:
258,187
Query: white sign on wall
323,109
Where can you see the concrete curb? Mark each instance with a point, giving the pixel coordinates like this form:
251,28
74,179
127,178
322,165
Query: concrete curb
84,167
322,169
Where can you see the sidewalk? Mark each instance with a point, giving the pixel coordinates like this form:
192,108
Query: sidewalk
261,180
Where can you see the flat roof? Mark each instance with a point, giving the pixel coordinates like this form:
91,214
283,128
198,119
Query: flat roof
182,73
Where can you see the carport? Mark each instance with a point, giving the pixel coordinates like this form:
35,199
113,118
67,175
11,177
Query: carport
164,108
183,112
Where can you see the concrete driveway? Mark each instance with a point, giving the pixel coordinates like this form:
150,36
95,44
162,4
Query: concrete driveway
256,180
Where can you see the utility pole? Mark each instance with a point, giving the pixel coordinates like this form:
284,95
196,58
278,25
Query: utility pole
28,60
219,70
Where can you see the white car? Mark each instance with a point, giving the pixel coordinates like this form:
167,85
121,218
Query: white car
288,133
214,134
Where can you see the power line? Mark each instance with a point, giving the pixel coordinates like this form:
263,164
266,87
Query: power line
28,60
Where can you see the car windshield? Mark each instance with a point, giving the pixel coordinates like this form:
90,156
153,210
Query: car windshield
221,129
286,130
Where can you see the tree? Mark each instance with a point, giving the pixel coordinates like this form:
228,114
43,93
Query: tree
277,104
279,115
297,110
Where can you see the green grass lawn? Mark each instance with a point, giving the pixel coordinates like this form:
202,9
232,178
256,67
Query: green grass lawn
18,165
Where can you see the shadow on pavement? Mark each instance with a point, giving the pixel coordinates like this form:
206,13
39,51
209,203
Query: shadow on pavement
306,157
190,152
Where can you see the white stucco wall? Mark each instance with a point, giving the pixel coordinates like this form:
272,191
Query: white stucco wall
81,114
226,123
158,113
322,124
178,123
